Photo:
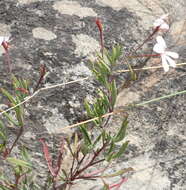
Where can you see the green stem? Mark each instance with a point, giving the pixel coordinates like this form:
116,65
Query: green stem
160,98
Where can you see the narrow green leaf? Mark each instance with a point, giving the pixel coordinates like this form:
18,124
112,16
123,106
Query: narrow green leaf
112,146
2,125
113,92
85,135
132,73
109,157
97,140
64,173
3,136
15,82
76,142
9,117
18,162
121,150
88,109
114,54
84,149
106,102
25,154
8,95
19,113
121,133
104,68
118,51
118,173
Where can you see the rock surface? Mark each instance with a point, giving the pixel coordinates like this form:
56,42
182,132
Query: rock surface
63,36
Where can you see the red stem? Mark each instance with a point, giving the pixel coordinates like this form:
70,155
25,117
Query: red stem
144,55
90,163
14,143
147,39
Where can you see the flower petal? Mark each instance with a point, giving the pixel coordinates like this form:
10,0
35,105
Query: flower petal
164,26
170,61
158,22
164,63
1,40
161,41
172,54
158,48
4,38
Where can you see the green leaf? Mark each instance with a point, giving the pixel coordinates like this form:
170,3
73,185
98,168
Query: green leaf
18,162
88,109
64,173
109,157
104,68
25,154
2,132
85,135
132,73
3,136
16,82
97,140
106,101
9,96
19,113
99,77
118,173
84,149
9,117
112,146
2,127
121,133
113,92
2,147
121,150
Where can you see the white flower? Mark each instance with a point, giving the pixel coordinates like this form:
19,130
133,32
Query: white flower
4,39
166,56
160,22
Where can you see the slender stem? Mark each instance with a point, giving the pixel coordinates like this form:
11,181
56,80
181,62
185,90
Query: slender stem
146,40
78,166
90,163
72,168
97,162
144,55
42,74
101,41
160,98
16,140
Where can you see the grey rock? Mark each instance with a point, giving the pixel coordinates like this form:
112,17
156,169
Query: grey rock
156,131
